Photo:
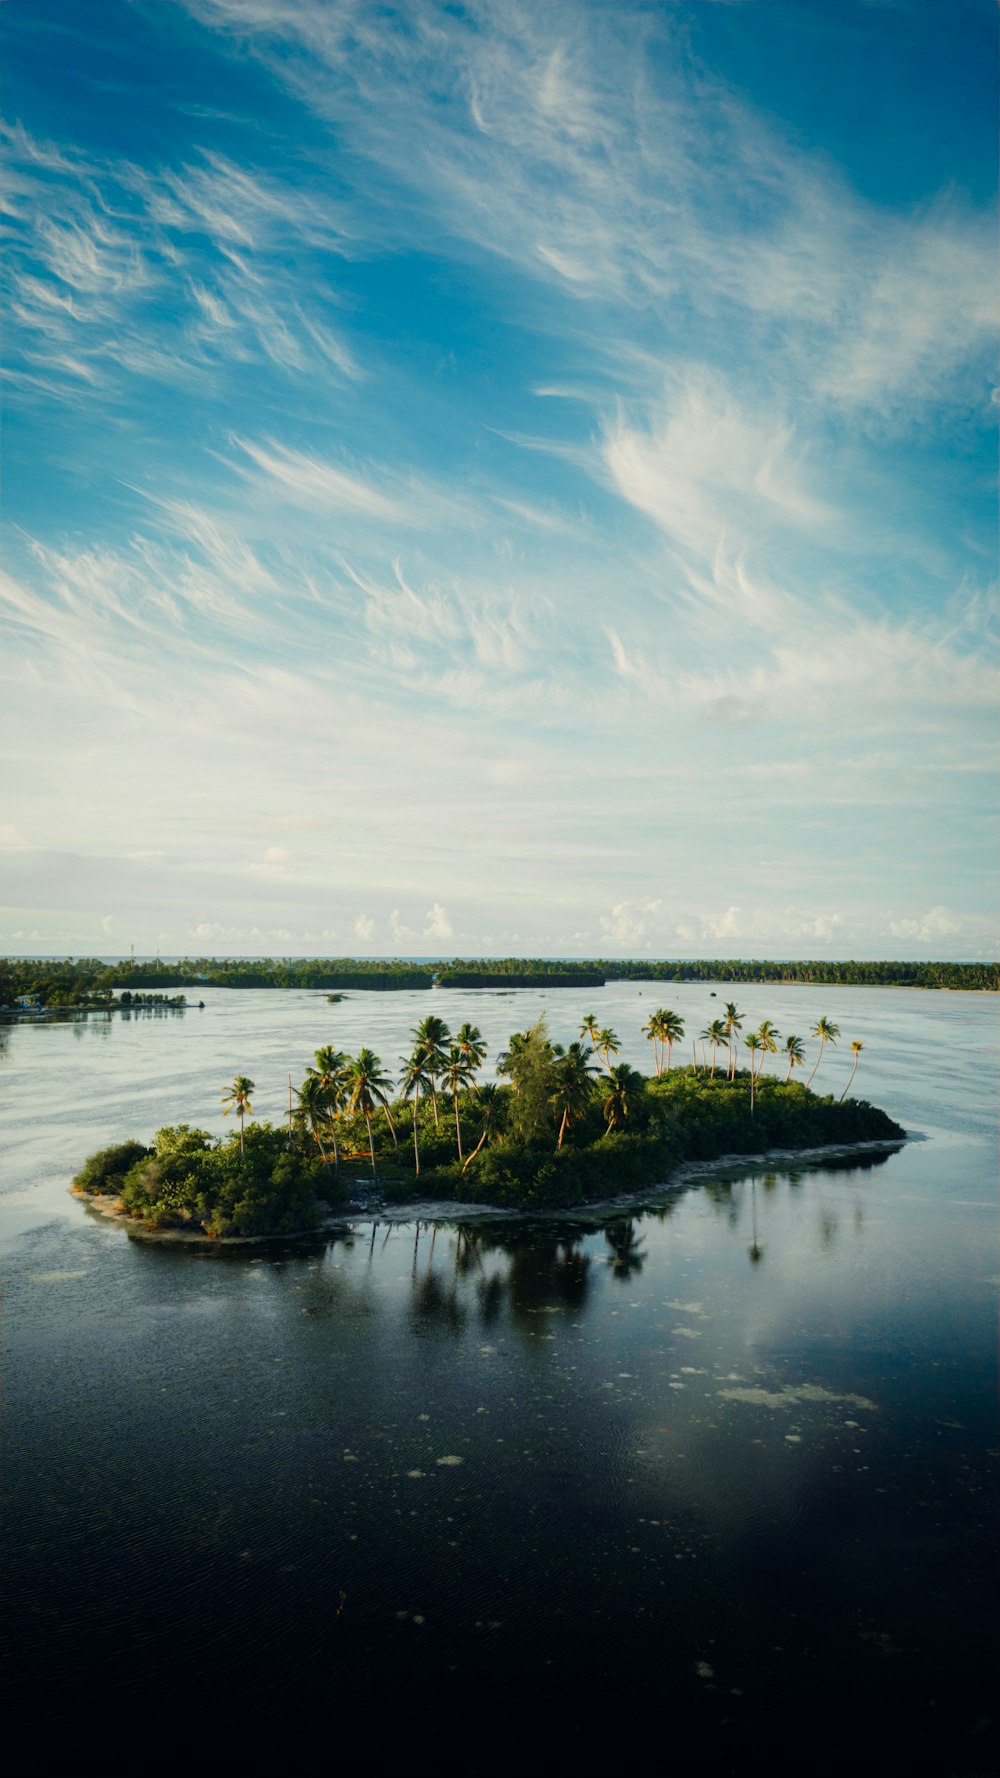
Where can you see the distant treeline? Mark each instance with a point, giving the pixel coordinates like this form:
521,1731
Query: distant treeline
70,981
454,977
850,974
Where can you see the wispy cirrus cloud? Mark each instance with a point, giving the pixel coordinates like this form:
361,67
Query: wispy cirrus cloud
282,492
165,272
552,138
324,484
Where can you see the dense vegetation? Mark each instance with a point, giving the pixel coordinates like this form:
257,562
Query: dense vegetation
572,1125
454,976
254,1183
76,981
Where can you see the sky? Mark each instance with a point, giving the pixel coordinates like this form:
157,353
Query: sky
500,477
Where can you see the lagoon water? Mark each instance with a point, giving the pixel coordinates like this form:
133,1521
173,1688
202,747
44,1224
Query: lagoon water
720,1471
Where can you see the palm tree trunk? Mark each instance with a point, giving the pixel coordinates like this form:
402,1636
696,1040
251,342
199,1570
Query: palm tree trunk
416,1147
847,1089
819,1059
468,1162
371,1144
458,1128
395,1138
562,1126
242,1151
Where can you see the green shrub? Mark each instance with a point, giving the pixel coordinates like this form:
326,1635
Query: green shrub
105,1170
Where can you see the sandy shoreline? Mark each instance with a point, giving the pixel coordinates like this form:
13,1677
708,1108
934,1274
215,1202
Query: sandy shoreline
366,1209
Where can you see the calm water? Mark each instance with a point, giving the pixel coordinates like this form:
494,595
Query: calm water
722,1472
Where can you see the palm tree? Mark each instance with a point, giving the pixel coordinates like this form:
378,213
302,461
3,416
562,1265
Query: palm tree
607,1045
431,1038
753,1044
507,1059
237,1098
768,1034
827,1032
330,1068
489,1106
573,1086
417,1079
856,1049
624,1088
733,1024
715,1033
458,1074
469,1039
368,1087
795,1053
314,1107
672,1030
653,1029
589,1029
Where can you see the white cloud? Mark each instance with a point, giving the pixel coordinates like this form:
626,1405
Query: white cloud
324,484
400,933
703,465
936,924
364,928
630,924
438,926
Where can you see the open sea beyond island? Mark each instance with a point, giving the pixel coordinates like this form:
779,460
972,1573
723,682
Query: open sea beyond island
718,1473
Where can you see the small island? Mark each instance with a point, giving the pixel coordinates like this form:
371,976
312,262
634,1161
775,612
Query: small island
561,1127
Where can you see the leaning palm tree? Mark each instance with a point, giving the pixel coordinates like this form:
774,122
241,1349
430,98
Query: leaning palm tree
715,1033
573,1076
590,1029
856,1049
795,1053
237,1098
827,1032
417,1079
367,1088
488,1100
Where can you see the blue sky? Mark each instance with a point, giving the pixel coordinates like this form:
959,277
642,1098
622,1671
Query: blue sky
500,478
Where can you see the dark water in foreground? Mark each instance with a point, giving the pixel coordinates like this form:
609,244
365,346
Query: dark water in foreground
719,1476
